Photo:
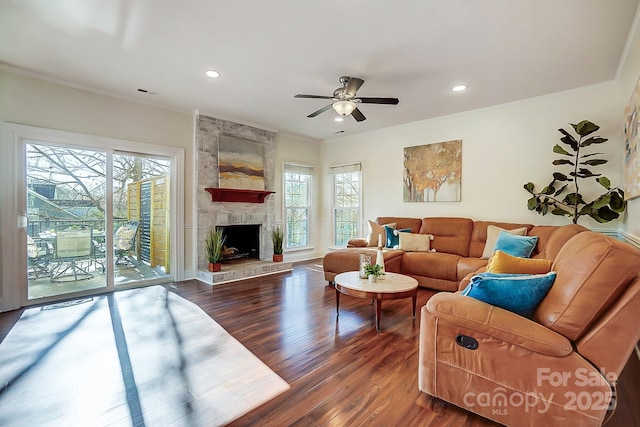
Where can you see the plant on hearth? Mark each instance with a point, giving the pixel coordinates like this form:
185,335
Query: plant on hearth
562,195
214,243
277,237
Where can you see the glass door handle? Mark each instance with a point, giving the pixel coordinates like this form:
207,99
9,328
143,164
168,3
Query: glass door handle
23,221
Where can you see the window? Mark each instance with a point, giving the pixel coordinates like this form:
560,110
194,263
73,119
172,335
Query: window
297,180
346,202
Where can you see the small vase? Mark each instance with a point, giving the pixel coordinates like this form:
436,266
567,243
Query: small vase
216,266
373,278
365,259
278,257
380,260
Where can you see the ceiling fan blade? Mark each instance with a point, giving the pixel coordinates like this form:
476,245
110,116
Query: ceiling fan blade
320,111
312,96
352,87
369,100
357,114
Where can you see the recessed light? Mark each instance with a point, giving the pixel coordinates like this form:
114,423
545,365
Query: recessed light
459,88
212,74
338,119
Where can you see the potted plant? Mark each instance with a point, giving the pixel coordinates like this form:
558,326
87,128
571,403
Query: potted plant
214,243
561,196
277,237
373,271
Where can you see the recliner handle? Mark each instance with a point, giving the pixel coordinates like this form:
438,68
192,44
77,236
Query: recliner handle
467,342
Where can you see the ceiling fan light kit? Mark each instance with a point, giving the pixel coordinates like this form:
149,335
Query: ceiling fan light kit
344,108
345,101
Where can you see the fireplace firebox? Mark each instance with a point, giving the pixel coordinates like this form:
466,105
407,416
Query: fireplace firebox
241,241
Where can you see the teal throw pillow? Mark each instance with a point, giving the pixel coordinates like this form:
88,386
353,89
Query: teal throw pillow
519,293
520,246
393,238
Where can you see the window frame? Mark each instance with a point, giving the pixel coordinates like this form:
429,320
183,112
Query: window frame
354,168
299,170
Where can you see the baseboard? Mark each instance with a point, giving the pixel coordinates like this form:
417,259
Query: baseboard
620,235
629,238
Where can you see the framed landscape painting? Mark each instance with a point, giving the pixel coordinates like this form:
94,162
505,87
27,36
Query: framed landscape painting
433,172
631,142
240,163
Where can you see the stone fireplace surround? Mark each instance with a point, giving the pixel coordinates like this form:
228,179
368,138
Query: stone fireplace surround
212,214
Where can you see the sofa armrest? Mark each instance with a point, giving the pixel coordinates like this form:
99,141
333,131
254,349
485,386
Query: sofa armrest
470,313
358,242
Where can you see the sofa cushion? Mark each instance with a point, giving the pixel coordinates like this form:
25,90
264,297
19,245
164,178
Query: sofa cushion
415,242
431,264
592,271
469,265
450,235
519,293
502,262
479,234
521,246
492,237
377,233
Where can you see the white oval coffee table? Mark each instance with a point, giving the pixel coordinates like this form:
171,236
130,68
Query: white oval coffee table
393,286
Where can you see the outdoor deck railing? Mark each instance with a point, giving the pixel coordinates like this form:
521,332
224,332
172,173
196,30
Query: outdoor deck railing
35,227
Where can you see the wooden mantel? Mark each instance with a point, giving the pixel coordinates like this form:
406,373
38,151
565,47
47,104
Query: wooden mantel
236,195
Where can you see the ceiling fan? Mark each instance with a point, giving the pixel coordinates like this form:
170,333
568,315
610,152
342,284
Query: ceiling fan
345,101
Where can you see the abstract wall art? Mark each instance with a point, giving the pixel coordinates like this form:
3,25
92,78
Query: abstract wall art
240,163
631,143
433,172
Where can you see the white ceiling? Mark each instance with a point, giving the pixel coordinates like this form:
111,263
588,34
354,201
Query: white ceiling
267,51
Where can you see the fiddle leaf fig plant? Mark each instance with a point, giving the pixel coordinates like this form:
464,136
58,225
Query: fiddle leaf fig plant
562,195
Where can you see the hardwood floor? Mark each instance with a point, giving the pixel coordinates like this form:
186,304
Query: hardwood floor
341,371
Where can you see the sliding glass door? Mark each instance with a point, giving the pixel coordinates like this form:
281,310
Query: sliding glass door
66,219
141,218
83,214
67,245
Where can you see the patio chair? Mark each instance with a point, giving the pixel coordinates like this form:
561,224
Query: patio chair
124,244
99,252
72,249
39,256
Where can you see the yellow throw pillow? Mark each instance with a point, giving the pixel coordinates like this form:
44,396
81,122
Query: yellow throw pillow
492,236
412,242
502,262
376,230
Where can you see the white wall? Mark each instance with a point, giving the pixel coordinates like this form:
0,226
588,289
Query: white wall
304,151
503,147
628,76
35,102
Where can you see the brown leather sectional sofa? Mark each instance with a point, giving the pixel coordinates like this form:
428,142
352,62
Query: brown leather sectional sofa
558,367
459,243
